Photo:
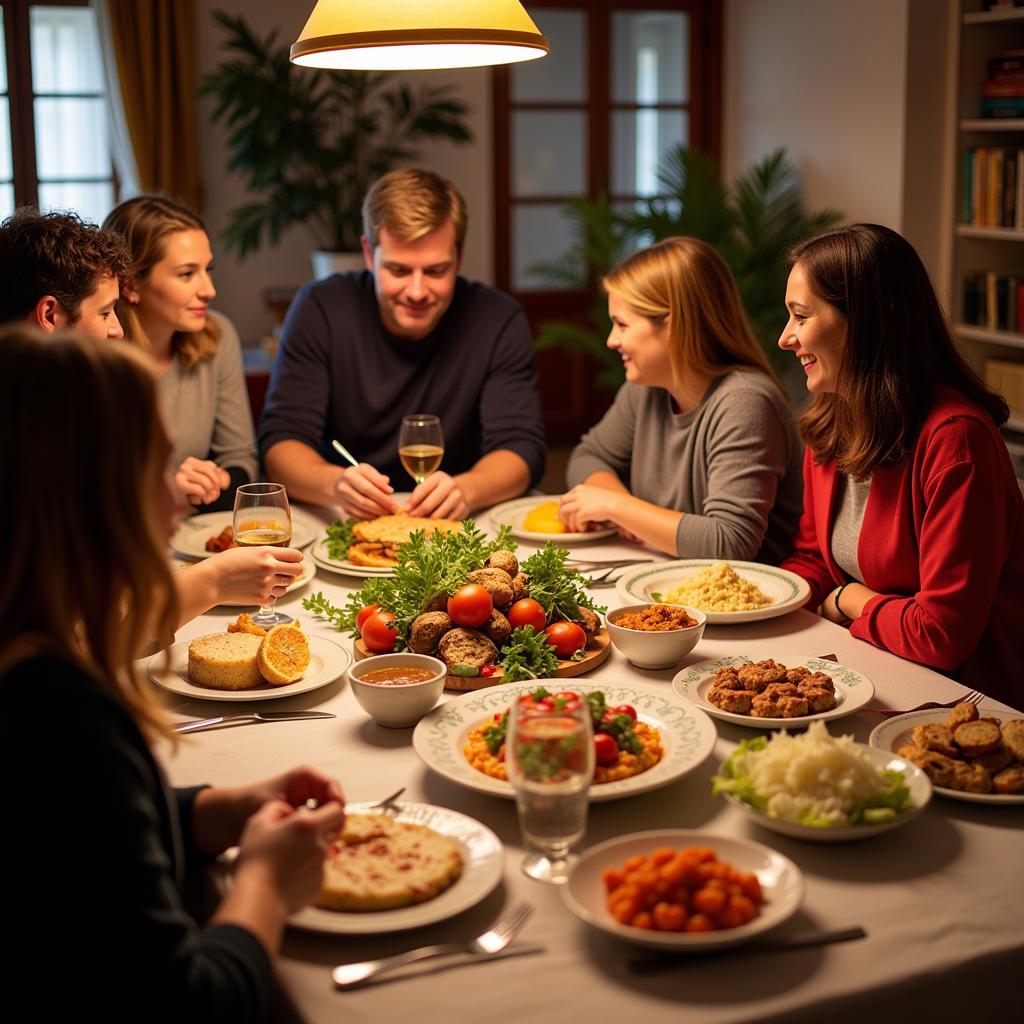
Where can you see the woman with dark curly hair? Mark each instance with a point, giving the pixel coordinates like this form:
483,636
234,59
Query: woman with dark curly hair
913,522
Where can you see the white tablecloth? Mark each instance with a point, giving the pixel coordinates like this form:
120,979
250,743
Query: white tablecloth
942,898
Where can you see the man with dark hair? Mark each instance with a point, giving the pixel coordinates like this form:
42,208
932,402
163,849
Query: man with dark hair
57,271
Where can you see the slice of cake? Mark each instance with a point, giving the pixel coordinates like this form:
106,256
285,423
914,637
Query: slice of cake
225,661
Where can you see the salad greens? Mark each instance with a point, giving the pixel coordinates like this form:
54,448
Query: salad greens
339,538
559,591
527,655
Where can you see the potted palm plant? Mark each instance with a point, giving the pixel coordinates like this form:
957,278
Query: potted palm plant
310,143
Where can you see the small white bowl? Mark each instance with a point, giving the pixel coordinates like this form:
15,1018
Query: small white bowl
398,707
651,648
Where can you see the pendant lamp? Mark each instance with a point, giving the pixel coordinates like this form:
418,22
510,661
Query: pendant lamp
396,35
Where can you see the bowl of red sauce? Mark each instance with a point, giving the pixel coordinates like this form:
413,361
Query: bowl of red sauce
397,690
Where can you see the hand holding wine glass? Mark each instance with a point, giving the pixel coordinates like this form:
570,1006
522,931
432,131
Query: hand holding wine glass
263,518
421,445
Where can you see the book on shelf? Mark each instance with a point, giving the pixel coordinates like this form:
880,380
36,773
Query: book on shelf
994,300
1008,379
993,187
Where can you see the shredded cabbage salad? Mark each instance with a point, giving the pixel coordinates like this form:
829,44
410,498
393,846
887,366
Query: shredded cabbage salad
814,779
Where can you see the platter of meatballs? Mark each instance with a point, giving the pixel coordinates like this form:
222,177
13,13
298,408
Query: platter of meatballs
762,692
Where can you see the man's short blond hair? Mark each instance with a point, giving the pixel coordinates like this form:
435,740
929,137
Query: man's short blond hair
412,203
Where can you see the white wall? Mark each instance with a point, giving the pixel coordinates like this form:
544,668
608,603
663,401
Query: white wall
824,78
240,284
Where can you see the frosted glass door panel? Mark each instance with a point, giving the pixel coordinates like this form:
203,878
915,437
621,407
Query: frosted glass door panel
539,233
91,201
561,76
548,153
6,167
3,58
71,138
640,138
6,201
649,57
65,50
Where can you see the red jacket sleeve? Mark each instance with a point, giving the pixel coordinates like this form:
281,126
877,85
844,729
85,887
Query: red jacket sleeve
807,559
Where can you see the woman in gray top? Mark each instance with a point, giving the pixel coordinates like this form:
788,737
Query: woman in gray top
698,455
164,308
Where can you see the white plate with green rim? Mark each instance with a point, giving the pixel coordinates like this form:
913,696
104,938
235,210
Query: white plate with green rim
512,514
192,534
785,590
687,734
853,690
343,565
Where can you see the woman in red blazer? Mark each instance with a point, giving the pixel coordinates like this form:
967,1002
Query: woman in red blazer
913,524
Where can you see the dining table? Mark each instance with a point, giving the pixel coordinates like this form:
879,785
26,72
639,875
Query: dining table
941,898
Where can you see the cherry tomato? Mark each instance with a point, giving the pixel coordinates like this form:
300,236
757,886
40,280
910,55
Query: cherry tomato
566,638
364,614
527,612
568,700
546,704
470,606
625,709
606,750
378,633
489,669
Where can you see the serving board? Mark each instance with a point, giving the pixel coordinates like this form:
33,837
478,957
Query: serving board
597,652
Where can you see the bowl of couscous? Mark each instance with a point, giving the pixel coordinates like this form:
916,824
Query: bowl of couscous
655,635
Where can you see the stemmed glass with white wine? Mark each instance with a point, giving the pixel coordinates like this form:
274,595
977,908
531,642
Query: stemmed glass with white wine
421,445
549,757
263,518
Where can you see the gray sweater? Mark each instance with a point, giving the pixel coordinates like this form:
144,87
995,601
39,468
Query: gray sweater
732,465
207,407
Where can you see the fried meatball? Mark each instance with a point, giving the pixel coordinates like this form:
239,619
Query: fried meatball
996,760
465,649
1009,780
820,680
503,560
498,628
520,586
762,674
427,629
971,778
977,738
496,582
939,768
438,603
961,715
590,621
935,736
1013,737
779,700
817,697
797,675
737,701
727,679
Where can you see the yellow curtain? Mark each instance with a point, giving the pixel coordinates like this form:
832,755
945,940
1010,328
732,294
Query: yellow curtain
155,49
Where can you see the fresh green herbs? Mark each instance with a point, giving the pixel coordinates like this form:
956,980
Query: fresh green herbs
339,538
527,655
559,591
619,727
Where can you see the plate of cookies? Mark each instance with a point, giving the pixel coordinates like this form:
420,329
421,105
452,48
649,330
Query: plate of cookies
409,866
969,754
248,663
761,692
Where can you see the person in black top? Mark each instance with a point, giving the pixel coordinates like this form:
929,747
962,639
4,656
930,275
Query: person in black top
104,851
408,335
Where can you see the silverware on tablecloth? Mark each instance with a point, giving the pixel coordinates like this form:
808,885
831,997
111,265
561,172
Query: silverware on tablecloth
255,716
454,963
802,940
484,946
971,697
388,803
611,563
343,452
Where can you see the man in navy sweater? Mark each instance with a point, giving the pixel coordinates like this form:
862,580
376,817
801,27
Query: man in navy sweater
408,335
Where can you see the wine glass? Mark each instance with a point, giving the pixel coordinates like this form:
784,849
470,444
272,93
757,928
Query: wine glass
421,445
549,758
263,518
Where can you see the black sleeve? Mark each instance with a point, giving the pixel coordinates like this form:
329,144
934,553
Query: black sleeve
98,867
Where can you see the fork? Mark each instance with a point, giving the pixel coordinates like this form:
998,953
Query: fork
972,697
494,940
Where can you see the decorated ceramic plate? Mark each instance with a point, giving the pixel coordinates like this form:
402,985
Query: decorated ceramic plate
512,514
192,534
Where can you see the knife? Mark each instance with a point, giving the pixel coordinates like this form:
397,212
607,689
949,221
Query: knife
199,724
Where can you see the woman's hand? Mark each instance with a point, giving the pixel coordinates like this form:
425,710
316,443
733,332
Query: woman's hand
253,575
200,480
439,497
586,507
220,814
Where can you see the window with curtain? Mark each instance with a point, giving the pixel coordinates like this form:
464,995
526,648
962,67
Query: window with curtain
54,128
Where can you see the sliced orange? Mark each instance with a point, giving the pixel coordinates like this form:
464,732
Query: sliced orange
244,624
283,656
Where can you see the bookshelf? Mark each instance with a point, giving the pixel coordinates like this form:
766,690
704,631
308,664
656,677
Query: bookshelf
983,247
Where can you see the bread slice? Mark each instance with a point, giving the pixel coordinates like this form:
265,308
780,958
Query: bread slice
379,863
225,661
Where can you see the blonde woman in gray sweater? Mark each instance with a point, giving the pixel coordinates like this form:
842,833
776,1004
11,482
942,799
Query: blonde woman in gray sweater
698,455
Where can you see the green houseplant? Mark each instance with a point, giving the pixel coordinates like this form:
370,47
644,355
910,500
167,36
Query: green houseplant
310,143
752,224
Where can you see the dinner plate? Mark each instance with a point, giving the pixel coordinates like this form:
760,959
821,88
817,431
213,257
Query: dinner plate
853,690
308,572
512,514
895,732
328,661
781,883
343,565
651,582
687,735
192,534
483,860
917,782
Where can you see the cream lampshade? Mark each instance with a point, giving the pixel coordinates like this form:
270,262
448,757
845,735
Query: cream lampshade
416,34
